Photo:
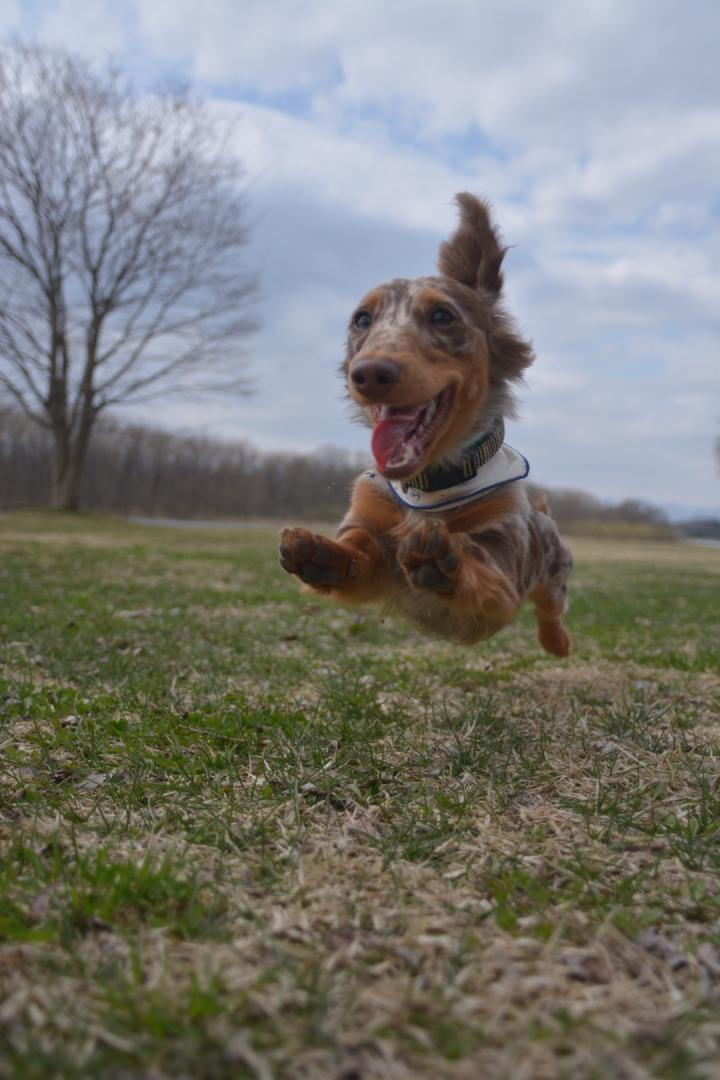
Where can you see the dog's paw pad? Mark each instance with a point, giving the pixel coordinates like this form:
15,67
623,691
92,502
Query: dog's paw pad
449,563
314,559
427,558
428,576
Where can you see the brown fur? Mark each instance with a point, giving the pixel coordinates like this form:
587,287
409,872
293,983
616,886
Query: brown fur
460,573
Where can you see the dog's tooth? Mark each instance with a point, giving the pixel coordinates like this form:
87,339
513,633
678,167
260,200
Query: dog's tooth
429,413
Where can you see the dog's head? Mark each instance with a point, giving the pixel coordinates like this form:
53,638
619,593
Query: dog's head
430,360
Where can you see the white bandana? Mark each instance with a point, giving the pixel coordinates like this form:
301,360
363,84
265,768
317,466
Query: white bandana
505,467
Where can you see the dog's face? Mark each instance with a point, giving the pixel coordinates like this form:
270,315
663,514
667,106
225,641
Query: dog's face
428,360
419,365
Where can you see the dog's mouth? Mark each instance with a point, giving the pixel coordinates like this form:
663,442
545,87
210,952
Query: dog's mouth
403,434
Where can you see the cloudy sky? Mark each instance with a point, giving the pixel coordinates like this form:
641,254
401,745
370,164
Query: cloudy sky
593,126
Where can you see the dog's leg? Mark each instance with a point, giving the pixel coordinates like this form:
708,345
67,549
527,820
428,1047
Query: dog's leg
354,568
550,594
358,566
455,567
549,606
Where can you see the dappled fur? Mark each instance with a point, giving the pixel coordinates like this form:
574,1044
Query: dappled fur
459,573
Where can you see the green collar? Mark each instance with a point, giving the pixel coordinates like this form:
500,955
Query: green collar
474,455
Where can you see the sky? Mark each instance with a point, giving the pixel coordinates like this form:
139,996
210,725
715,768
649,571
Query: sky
592,126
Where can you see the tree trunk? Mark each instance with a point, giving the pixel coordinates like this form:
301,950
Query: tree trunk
65,491
67,467
70,453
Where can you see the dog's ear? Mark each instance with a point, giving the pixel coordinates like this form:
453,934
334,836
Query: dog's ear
473,254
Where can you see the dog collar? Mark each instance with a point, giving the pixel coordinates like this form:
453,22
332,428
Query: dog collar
474,455
487,463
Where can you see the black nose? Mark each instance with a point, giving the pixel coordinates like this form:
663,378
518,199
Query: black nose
375,376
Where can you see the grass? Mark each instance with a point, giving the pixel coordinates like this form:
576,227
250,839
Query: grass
245,833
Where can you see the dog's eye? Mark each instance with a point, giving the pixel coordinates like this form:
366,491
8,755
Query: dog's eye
440,316
362,320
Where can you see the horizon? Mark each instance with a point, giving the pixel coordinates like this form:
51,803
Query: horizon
676,514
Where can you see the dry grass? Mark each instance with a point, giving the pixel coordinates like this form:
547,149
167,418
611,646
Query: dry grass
267,838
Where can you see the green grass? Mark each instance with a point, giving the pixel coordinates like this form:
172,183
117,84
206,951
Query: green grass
246,833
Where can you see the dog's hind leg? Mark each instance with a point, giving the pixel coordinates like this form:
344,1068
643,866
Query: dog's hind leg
550,594
549,607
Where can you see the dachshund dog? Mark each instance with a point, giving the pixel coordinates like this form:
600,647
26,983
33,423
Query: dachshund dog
443,529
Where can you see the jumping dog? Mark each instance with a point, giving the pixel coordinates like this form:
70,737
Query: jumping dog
443,529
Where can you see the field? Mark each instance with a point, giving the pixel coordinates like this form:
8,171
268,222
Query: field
245,833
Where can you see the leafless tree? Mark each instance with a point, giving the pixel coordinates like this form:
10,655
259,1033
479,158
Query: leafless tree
122,226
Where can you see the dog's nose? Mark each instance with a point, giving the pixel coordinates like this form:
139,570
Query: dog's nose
375,376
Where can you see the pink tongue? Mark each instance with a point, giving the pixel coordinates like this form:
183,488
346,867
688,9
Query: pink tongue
389,436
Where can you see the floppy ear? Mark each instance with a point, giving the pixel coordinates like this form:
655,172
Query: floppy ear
473,254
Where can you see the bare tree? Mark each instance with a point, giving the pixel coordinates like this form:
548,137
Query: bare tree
121,235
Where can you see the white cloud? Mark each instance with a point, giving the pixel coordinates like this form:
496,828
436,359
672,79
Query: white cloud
364,173
101,26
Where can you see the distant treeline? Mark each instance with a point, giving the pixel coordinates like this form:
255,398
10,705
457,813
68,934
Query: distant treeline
140,470
144,471
577,509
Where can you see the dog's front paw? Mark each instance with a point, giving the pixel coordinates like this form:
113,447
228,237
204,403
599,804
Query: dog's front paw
315,559
427,558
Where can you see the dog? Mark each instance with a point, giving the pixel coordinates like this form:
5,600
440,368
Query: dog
443,529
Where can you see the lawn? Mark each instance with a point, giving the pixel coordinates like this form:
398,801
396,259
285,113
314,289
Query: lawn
245,833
